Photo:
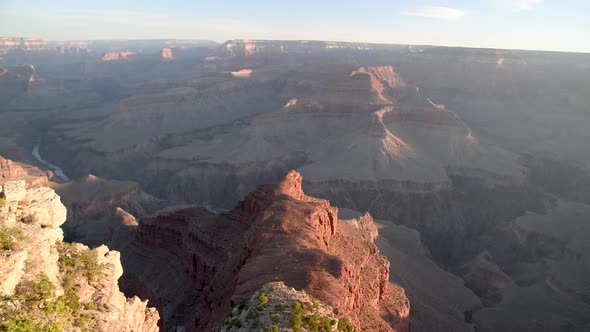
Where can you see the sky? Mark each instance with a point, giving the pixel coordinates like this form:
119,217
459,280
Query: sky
556,25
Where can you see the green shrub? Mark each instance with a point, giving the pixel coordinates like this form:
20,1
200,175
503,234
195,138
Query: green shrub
243,305
344,325
325,324
82,320
39,290
28,219
90,305
278,307
59,311
272,328
75,263
9,238
71,299
5,240
236,322
262,299
297,311
313,322
275,317
26,324
40,311
34,308
251,315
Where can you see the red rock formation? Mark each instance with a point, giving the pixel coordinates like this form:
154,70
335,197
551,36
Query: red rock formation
167,53
380,77
363,91
8,44
304,244
111,56
10,171
275,233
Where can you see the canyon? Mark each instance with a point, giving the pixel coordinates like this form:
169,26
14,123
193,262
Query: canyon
447,171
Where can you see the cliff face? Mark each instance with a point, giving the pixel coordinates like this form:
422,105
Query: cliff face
8,44
93,203
114,56
275,233
46,282
249,48
167,53
11,170
361,129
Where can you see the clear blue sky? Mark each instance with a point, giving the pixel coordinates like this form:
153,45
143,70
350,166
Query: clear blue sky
524,24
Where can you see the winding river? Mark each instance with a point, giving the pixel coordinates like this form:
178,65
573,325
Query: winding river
56,169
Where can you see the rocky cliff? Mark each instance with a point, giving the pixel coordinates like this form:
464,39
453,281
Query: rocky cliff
249,48
11,171
8,44
114,56
49,284
275,233
362,129
276,307
167,53
93,207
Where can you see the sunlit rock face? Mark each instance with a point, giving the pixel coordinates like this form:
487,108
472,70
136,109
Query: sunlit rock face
33,218
167,53
275,233
8,44
114,56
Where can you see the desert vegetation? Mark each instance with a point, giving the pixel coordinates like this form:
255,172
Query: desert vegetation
35,305
10,237
267,311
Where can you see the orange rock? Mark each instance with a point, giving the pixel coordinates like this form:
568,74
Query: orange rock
275,233
167,53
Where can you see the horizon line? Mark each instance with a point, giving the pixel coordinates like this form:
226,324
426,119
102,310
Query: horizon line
311,40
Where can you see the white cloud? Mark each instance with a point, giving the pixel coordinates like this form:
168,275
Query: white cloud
518,5
437,12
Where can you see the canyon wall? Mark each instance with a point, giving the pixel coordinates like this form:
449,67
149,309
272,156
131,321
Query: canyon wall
8,44
38,268
277,233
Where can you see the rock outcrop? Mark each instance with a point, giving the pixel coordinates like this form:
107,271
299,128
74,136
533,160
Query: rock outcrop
93,204
11,171
277,307
38,268
8,44
167,53
250,48
115,56
275,233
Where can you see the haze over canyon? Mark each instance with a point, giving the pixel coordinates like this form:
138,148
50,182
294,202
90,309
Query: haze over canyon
271,185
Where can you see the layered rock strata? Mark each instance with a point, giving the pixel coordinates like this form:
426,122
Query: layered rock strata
32,251
275,233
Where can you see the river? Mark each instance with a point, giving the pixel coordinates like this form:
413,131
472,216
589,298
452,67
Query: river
56,169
